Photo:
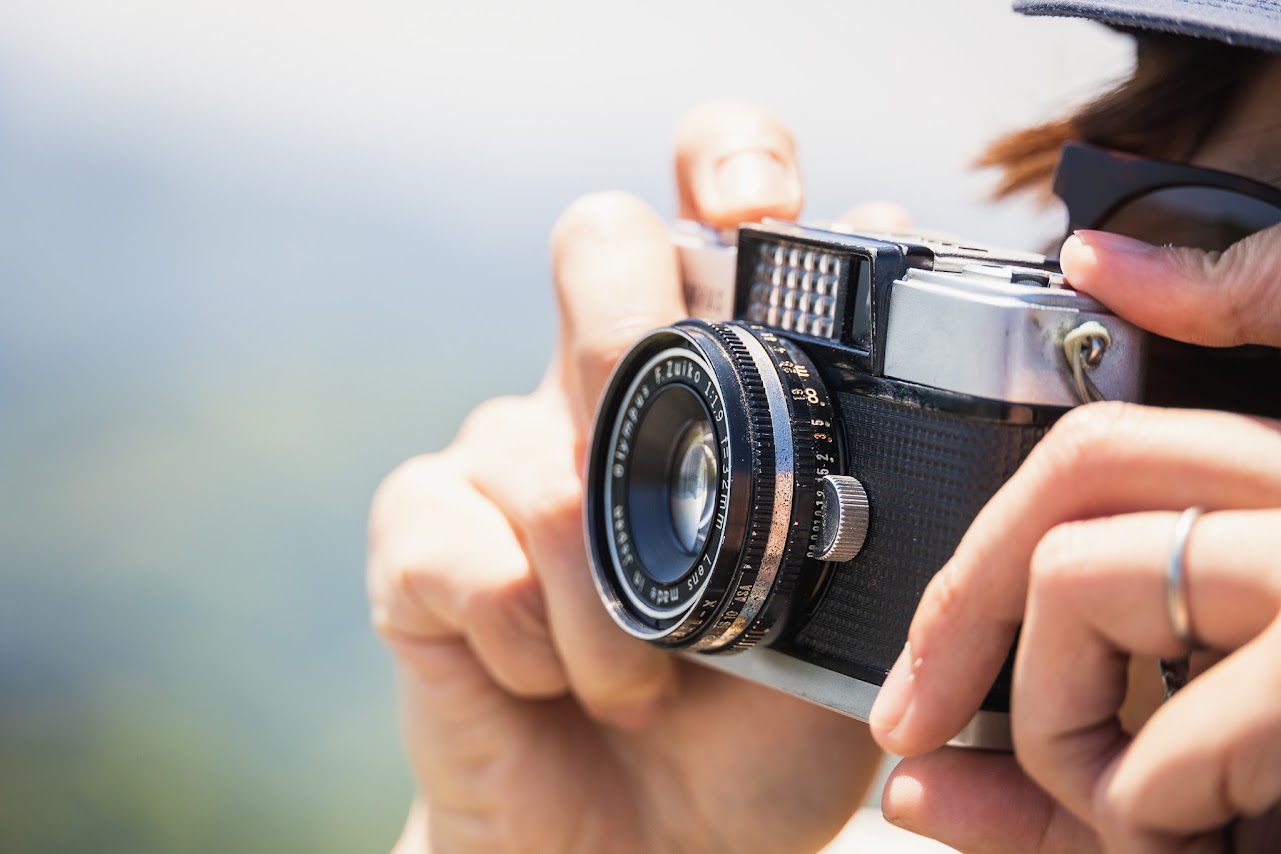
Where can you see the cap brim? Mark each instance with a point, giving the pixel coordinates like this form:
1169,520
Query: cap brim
1242,23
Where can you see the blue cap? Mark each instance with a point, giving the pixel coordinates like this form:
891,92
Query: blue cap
1243,23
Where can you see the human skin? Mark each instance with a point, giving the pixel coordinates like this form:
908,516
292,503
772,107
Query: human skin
531,722
1074,548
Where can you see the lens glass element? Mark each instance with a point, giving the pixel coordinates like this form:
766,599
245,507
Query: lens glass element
692,486
671,482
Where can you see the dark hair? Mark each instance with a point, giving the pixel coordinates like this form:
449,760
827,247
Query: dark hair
1180,89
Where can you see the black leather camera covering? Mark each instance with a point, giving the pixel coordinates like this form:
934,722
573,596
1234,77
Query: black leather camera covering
927,474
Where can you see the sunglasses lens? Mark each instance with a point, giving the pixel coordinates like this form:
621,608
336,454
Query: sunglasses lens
1196,217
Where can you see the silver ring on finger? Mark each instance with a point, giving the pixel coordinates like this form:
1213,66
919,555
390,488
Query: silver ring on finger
1176,580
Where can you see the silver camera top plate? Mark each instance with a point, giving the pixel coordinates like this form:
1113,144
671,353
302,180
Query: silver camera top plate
978,331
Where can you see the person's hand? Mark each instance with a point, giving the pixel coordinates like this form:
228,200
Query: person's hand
1075,548
532,722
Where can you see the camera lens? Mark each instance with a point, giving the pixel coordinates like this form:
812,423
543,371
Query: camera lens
693,486
702,496
671,487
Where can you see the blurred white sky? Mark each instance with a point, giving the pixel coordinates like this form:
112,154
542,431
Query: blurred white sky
300,219
500,103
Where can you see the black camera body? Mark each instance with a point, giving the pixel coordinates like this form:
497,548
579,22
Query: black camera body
782,476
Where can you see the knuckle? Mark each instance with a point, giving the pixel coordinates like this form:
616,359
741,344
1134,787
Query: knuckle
598,351
396,590
1116,807
948,603
1032,748
513,447
1055,562
1226,277
399,583
406,563
1253,267
1087,427
612,689
944,595
517,457
514,608
396,491
507,627
600,218
1238,288
556,508
616,276
1080,437
491,418
956,604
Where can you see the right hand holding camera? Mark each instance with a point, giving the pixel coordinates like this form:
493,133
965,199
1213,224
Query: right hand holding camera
1077,548
531,721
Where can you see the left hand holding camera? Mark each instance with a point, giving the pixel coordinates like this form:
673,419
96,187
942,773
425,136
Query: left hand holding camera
531,722
1078,548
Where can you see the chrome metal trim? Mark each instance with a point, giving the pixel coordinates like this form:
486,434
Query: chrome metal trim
784,478
985,731
940,324
841,693
630,625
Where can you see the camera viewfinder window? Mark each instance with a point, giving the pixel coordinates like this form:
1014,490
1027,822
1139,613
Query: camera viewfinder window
861,323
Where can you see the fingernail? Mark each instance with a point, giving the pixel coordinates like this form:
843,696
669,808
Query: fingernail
754,179
1109,242
892,700
900,799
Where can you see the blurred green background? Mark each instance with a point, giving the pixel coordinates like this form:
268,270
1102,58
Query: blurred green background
253,254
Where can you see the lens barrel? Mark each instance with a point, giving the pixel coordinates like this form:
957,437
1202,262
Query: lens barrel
702,502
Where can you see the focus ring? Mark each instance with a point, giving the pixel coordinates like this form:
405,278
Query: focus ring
712,634
796,374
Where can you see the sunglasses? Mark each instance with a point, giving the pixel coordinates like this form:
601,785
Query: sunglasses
1159,202
1180,205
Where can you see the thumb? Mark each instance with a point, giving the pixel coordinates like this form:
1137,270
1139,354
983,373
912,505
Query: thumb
1210,298
736,163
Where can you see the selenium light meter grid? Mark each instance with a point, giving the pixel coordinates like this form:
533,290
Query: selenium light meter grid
795,287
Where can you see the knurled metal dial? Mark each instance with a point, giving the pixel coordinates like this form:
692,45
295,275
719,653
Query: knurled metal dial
845,513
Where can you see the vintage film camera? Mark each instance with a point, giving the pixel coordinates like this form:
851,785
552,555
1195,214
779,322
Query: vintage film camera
782,476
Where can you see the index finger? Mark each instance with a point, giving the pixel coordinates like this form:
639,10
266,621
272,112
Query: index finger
1217,299
616,272
617,277
1099,460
